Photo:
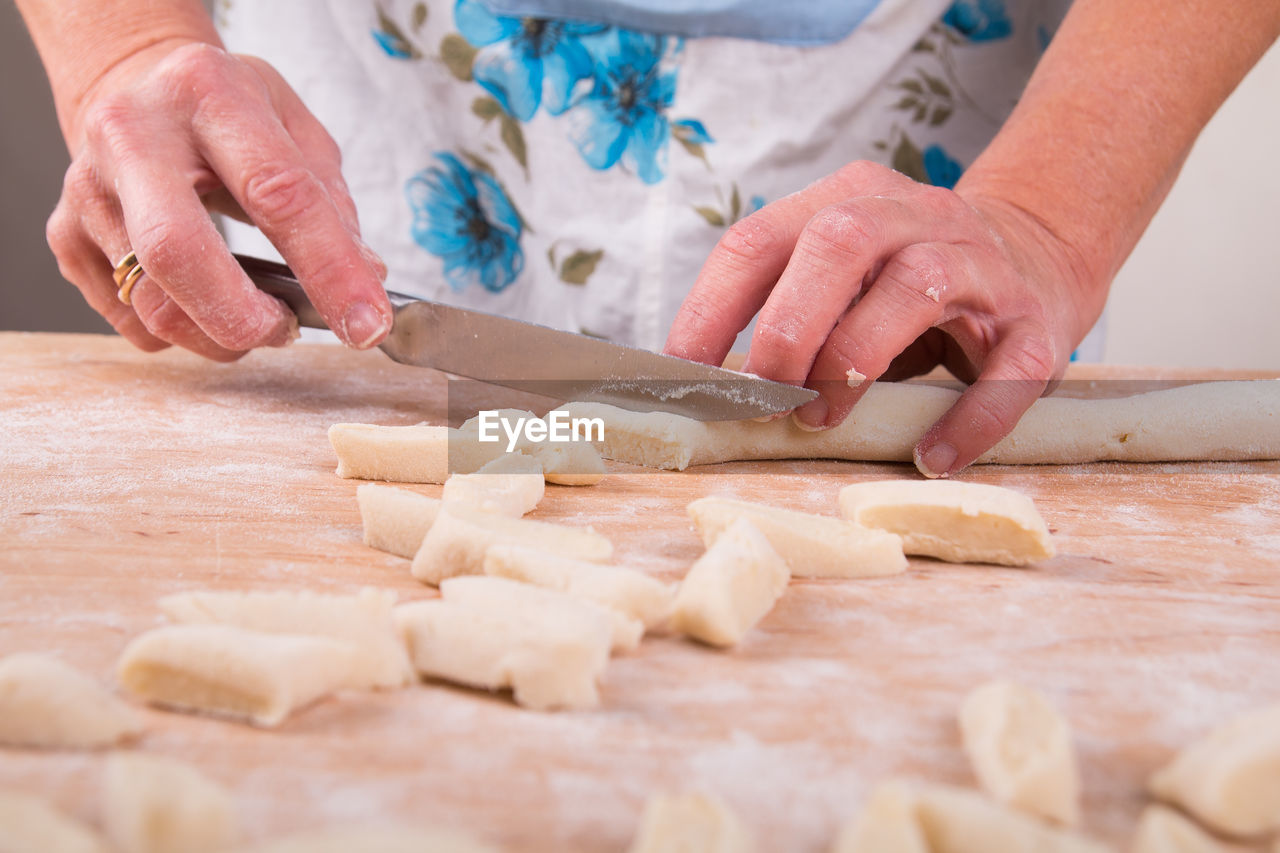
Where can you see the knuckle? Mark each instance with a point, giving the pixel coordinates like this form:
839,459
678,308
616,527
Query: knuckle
109,122
919,276
1033,361
280,192
843,229
192,70
163,244
861,172
751,241
990,415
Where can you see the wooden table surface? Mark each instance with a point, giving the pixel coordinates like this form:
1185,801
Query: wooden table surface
129,476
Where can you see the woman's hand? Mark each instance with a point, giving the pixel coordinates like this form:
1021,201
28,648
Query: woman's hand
868,275
181,128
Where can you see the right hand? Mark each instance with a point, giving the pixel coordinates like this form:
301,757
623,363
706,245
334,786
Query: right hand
174,132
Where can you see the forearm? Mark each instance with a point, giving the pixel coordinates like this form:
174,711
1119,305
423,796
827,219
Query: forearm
79,41
1109,117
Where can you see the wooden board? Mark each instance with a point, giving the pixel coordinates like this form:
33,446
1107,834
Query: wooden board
127,477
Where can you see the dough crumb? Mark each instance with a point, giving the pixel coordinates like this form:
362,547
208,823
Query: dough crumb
855,378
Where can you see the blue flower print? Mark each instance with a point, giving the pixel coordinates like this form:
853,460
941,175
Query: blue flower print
464,217
624,117
392,44
979,20
940,168
525,62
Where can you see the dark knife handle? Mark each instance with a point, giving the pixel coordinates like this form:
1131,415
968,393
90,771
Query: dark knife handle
279,281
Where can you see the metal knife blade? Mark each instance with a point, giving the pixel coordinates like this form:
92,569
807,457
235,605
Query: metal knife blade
547,361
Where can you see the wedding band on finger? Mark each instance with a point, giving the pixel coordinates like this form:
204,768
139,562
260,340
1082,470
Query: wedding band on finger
126,275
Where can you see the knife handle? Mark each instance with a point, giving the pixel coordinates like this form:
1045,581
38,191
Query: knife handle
279,281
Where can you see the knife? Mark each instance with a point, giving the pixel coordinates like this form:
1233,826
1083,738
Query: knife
546,361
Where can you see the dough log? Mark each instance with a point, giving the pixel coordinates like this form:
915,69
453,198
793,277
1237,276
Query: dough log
1209,421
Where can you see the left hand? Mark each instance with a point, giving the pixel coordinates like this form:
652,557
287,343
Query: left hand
869,271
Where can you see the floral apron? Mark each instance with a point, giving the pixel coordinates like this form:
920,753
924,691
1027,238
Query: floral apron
577,172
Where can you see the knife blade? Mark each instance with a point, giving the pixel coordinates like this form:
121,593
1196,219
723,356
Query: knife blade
547,361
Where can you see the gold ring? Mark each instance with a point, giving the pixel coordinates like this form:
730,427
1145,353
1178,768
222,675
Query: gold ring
126,275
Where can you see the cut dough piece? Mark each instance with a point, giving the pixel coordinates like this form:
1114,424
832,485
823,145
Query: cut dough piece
575,463
31,825
505,595
1229,779
1209,420
814,546
362,620
951,520
47,703
547,663
457,541
153,804
233,672
1020,749
731,587
694,822
510,485
373,839
1162,830
395,520
405,454
954,820
632,593
887,824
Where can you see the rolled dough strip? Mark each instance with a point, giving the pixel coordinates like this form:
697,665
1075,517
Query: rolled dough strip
510,485
886,824
634,594
373,839
233,672
457,541
954,820
731,587
429,454
153,804
951,520
47,703
362,620
1229,779
814,546
1162,830
1020,750
546,662
31,825
482,593
690,822
1210,420
395,520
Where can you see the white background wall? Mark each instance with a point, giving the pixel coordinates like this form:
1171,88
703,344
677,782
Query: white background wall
1202,288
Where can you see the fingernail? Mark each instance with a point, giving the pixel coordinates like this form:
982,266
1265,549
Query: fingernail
936,461
811,416
362,325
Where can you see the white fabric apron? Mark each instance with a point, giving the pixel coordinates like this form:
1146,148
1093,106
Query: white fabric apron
581,182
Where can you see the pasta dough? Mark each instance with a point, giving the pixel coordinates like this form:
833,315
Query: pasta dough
634,594
1210,420
1020,749
31,825
951,520
363,621
47,703
694,822
814,546
547,661
233,672
954,820
731,587
395,520
887,824
1162,830
153,804
510,485
1229,779
484,593
373,839
457,541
